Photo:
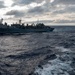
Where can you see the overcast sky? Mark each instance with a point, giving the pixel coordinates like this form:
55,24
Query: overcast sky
46,11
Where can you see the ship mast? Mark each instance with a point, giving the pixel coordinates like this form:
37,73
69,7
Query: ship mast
20,21
1,21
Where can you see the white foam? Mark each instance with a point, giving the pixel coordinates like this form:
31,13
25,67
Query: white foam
62,49
58,66
55,67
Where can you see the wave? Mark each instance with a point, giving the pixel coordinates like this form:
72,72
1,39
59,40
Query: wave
62,65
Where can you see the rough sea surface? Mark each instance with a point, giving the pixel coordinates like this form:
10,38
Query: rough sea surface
38,53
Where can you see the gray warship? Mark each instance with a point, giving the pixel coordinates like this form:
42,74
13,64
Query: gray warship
20,28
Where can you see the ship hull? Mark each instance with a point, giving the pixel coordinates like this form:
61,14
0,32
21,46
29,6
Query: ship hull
18,30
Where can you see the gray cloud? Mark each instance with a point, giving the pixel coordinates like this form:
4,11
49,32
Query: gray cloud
65,21
67,1
33,11
2,4
47,7
25,2
64,7
37,10
16,13
64,2
70,8
67,9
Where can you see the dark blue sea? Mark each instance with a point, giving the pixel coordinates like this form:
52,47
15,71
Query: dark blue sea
50,53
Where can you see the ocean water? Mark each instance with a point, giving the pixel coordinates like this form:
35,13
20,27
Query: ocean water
54,52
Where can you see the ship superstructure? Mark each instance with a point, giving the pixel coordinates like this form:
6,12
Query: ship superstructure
21,28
